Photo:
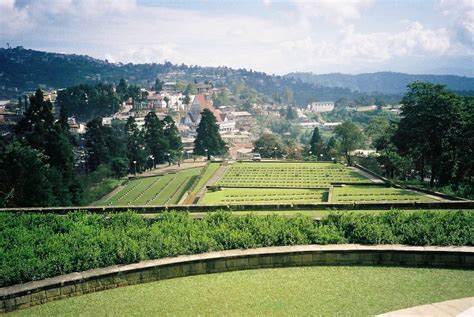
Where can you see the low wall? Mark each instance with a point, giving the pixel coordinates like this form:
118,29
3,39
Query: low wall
75,284
253,207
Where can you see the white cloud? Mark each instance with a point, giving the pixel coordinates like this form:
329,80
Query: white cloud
334,11
13,20
123,31
17,19
461,14
371,48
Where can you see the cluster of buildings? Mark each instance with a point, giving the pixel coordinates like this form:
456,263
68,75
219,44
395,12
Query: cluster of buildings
234,126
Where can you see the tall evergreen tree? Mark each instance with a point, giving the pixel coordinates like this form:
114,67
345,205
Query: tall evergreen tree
38,129
136,150
316,143
172,137
25,177
208,137
154,137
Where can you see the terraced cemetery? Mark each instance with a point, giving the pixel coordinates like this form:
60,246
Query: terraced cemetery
374,193
265,195
159,190
288,175
264,183
259,183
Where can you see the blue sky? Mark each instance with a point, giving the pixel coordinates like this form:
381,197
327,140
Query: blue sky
321,36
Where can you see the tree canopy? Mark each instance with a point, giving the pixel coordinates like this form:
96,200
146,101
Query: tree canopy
349,137
208,137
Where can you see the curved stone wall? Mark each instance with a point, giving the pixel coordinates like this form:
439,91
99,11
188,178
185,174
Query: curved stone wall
74,284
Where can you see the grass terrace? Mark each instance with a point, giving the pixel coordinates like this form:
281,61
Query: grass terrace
264,195
325,291
290,175
207,173
159,190
382,194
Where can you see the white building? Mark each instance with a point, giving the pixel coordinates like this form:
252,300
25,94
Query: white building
324,106
310,125
227,126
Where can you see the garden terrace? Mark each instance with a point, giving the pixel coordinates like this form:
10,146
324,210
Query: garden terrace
37,246
157,190
289,175
367,194
263,195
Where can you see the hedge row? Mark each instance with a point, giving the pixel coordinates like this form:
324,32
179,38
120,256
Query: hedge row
36,246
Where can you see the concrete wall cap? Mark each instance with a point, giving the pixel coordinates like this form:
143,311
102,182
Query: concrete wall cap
76,277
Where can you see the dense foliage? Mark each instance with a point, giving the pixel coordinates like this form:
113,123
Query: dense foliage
25,70
36,246
39,151
86,102
208,140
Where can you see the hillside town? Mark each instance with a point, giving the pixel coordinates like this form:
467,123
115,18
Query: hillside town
239,128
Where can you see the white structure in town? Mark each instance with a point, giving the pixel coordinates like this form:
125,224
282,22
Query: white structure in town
324,106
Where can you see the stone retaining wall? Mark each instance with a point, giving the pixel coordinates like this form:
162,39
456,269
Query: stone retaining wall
74,284
253,207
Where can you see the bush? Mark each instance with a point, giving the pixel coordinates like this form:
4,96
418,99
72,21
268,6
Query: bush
36,246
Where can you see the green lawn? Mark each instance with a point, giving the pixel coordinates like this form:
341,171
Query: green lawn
376,194
207,174
305,291
300,175
159,190
264,195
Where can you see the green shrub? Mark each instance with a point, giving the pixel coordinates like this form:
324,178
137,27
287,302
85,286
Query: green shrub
36,246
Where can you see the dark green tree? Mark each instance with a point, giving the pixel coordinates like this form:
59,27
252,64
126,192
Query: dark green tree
291,113
38,129
270,146
158,85
430,130
316,143
85,102
154,137
136,149
349,138
37,122
172,137
122,89
208,137
25,177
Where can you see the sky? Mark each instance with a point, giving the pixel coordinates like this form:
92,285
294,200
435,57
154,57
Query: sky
274,36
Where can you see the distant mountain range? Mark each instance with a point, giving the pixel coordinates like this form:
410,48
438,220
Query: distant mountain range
383,82
24,70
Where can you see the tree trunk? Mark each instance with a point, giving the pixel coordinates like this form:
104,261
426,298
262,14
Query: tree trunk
422,169
433,176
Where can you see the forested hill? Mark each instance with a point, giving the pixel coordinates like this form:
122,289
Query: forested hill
384,82
24,70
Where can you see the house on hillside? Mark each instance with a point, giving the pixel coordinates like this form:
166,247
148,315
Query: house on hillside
324,106
200,103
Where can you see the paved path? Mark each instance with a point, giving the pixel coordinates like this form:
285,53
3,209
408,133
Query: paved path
463,307
367,175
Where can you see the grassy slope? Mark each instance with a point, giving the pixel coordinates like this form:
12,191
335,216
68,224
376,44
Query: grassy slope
154,190
210,170
327,291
